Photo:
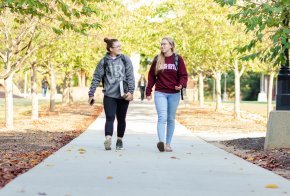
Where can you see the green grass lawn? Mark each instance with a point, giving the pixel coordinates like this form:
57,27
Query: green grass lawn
22,107
253,107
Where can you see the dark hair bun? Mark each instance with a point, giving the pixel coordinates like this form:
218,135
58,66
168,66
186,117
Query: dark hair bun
106,40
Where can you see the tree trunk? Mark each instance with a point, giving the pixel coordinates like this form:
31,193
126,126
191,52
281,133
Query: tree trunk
238,74
34,114
225,95
25,85
81,78
195,89
218,91
262,83
237,109
67,96
52,88
70,90
270,89
8,84
201,89
213,90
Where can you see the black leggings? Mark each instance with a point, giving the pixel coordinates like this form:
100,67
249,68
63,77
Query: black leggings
115,107
142,90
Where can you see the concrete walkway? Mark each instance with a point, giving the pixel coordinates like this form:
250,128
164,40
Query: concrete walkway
195,168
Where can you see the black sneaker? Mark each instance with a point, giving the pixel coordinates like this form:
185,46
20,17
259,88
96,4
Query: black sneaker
119,144
160,146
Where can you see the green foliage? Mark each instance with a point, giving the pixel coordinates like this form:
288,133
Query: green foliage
48,28
203,35
144,62
267,20
67,14
250,86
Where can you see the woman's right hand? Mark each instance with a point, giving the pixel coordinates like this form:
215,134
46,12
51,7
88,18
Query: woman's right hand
128,96
148,98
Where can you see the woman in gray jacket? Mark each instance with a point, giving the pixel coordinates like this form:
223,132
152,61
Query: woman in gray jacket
116,72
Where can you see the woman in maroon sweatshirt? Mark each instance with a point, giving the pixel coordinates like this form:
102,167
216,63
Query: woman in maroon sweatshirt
168,79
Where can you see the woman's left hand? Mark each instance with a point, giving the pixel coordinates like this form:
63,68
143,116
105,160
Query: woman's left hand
178,88
129,97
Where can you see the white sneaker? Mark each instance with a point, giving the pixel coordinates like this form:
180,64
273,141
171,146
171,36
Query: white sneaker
168,148
107,144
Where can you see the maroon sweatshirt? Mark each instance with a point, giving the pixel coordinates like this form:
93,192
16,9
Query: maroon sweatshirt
166,80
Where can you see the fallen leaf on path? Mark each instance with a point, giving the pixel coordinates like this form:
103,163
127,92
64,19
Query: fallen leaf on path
109,178
173,157
271,186
82,151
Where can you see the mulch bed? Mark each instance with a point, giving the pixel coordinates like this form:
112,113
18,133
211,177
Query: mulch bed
206,120
252,150
30,142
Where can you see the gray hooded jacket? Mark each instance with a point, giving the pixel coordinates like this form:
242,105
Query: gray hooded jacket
115,72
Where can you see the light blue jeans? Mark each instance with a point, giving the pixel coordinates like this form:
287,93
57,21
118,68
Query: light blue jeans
166,105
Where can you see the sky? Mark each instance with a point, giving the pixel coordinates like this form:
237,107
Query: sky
133,4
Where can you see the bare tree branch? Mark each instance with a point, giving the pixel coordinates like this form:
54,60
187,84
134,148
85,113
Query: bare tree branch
27,45
242,70
2,56
19,64
27,29
6,60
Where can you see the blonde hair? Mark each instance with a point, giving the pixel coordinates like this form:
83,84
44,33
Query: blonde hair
161,58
